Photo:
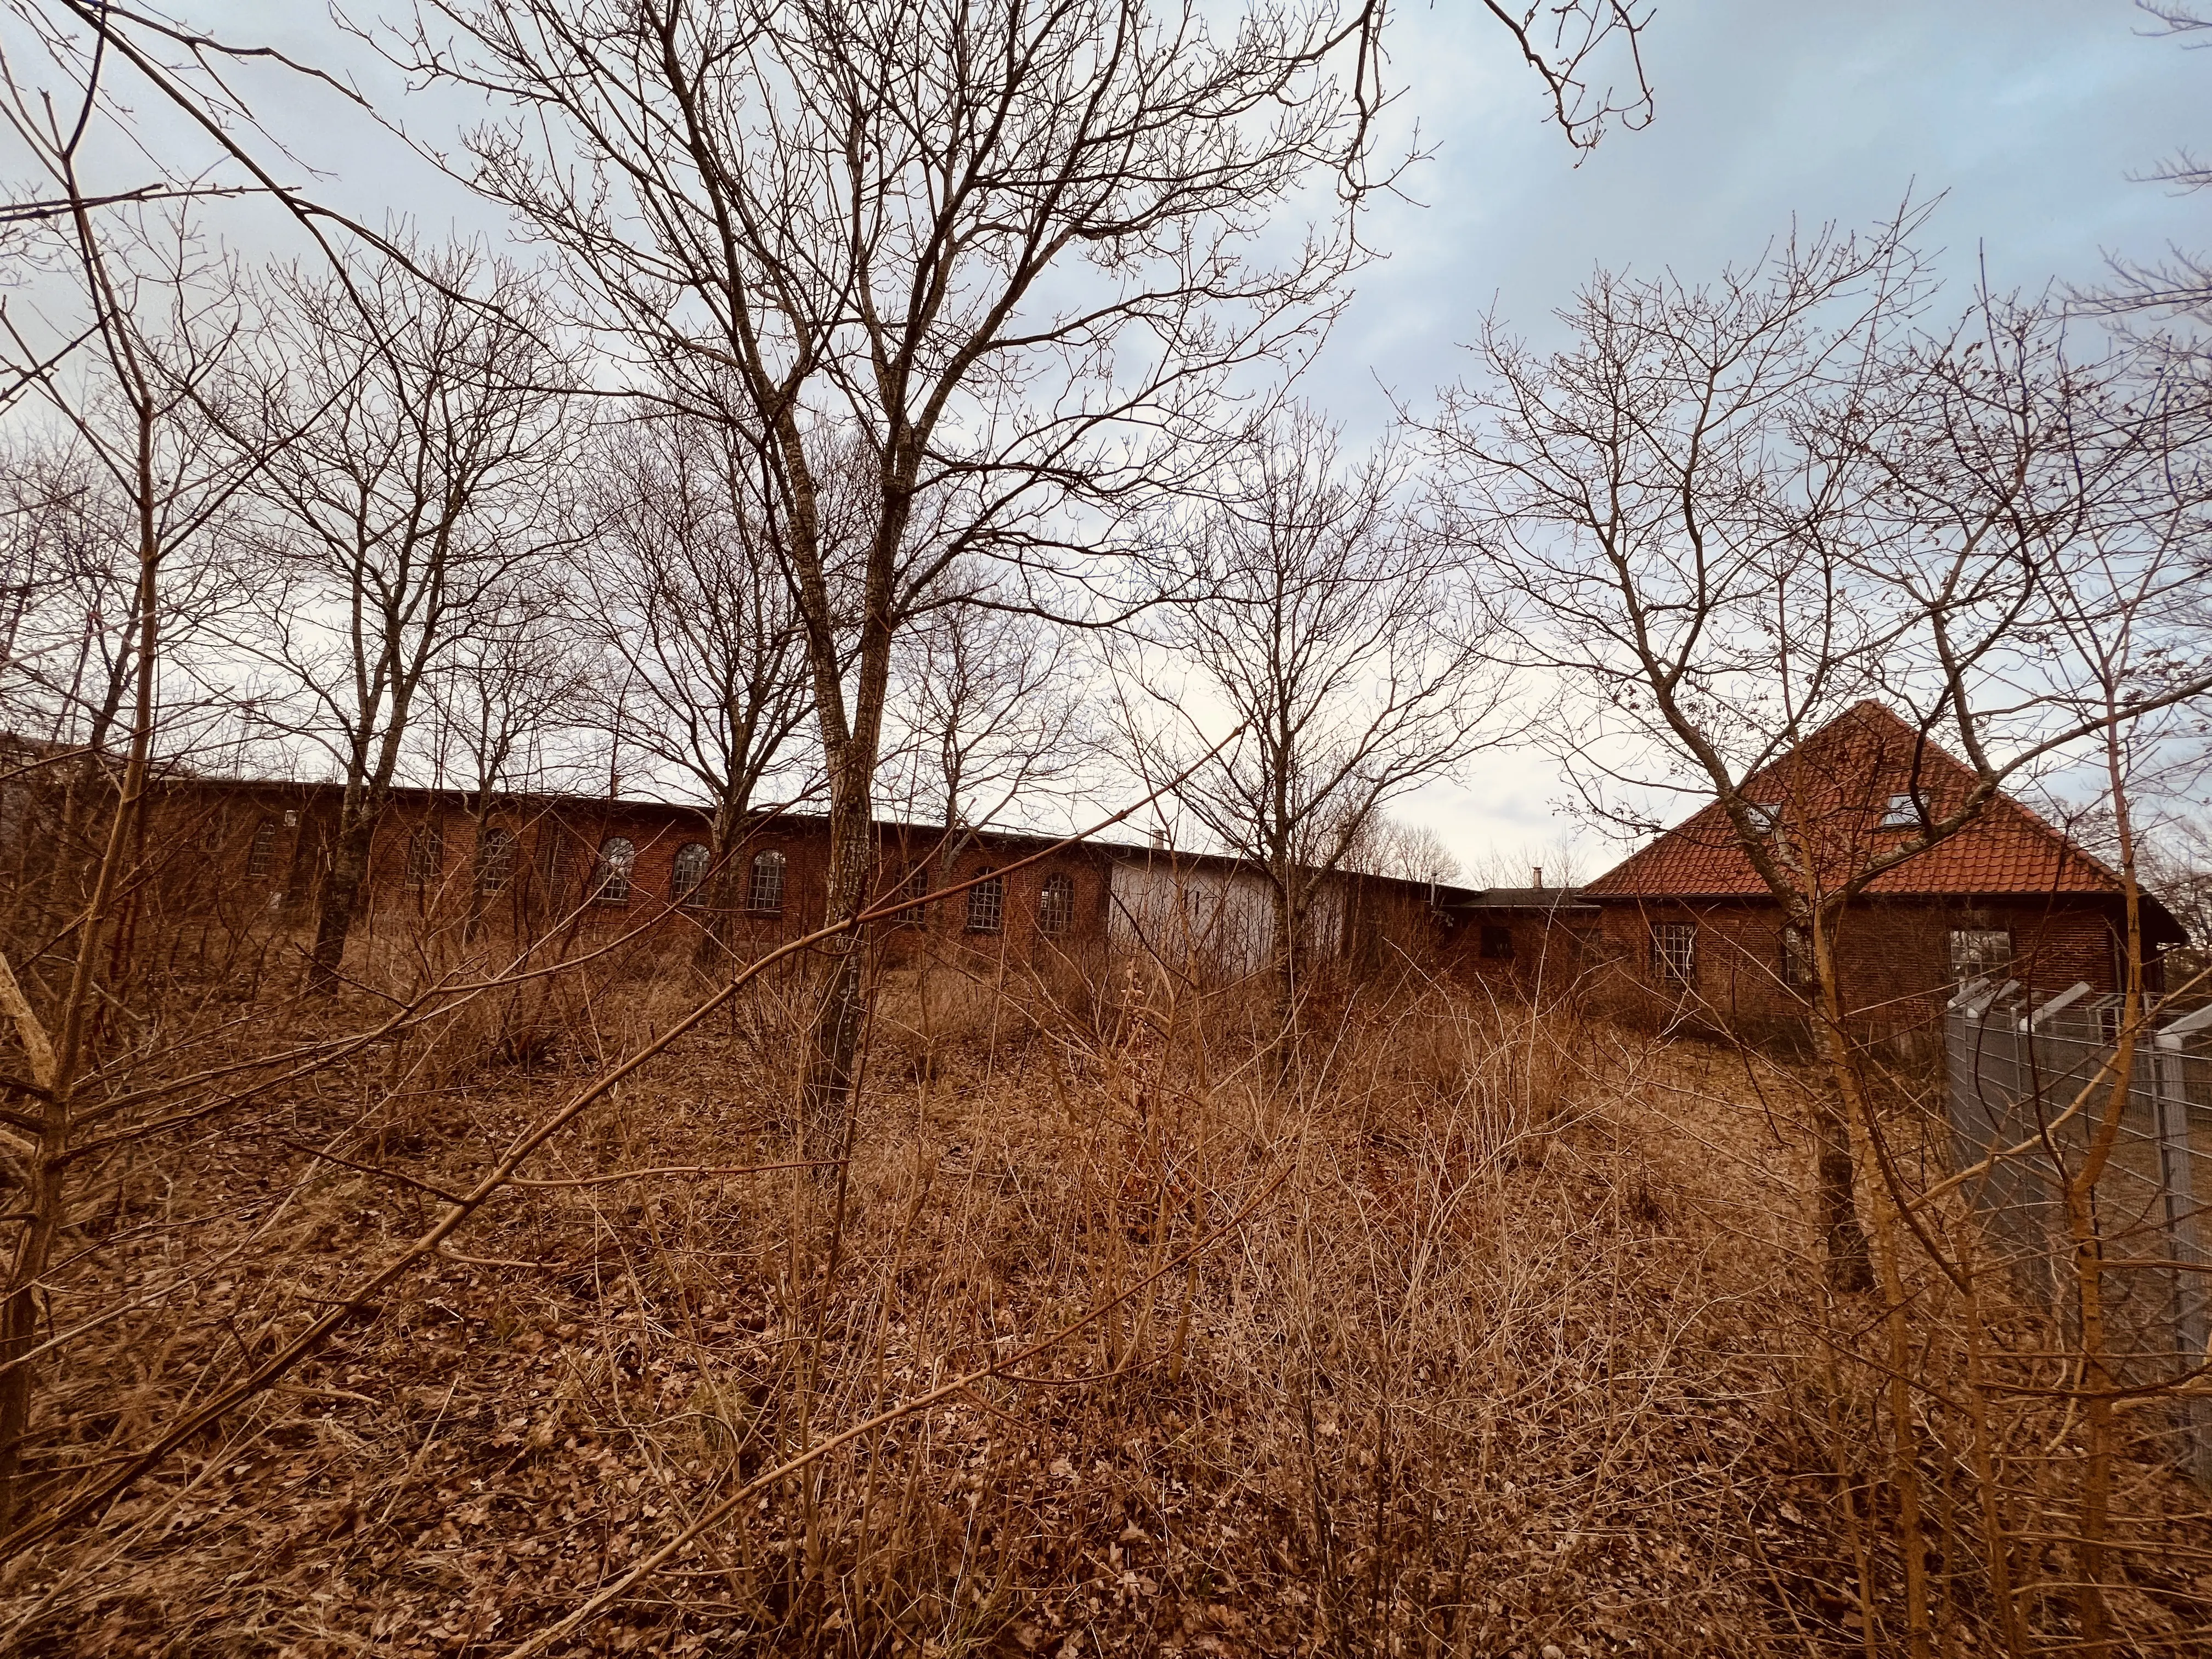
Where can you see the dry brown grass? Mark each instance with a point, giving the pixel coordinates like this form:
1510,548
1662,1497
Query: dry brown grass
1523,1355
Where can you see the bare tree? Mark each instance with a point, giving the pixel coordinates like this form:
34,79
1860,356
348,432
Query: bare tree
2093,474
503,706
73,624
1014,251
2177,863
1314,613
691,612
989,713
151,324
505,698
1409,852
1641,534
397,519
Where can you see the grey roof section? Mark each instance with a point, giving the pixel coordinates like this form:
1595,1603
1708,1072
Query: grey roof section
1551,899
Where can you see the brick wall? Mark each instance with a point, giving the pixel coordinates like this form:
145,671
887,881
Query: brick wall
259,850
1893,957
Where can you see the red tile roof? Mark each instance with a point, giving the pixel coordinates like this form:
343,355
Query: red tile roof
1834,789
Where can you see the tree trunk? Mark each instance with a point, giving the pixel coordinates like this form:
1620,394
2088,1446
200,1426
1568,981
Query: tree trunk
57,1058
833,1047
19,1322
850,747
724,888
1289,975
341,898
1843,1240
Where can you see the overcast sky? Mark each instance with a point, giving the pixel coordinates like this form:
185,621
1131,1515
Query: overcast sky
2028,116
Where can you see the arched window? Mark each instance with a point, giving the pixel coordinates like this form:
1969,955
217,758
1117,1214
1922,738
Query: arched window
688,875
426,853
764,896
611,879
495,859
263,853
1055,904
916,914
987,904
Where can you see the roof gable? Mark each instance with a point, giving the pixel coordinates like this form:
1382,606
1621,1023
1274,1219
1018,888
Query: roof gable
1834,788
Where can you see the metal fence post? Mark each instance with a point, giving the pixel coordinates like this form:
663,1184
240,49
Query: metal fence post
2177,1188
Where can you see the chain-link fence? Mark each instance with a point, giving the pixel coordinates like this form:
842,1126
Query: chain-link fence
2030,1090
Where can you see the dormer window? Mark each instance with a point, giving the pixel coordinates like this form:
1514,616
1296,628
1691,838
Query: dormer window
1903,812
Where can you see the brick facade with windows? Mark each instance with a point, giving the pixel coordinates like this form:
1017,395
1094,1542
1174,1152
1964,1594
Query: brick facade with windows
1682,928
1688,928
240,857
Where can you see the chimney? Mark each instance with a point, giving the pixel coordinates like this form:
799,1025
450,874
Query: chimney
1539,869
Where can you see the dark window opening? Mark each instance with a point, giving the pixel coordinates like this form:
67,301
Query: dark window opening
1055,905
1497,943
426,854
555,847
496,860
916,915
1797,964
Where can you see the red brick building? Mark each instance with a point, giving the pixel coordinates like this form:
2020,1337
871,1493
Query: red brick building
1530,941
241,857
1688,927
1684,928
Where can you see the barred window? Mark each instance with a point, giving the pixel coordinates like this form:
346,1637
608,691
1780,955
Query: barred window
1797,964
1055,905
426,854
263,853
916,914
496,860
764,896
687,876
986,904
1497,943
617,862
1976,951
1674,952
